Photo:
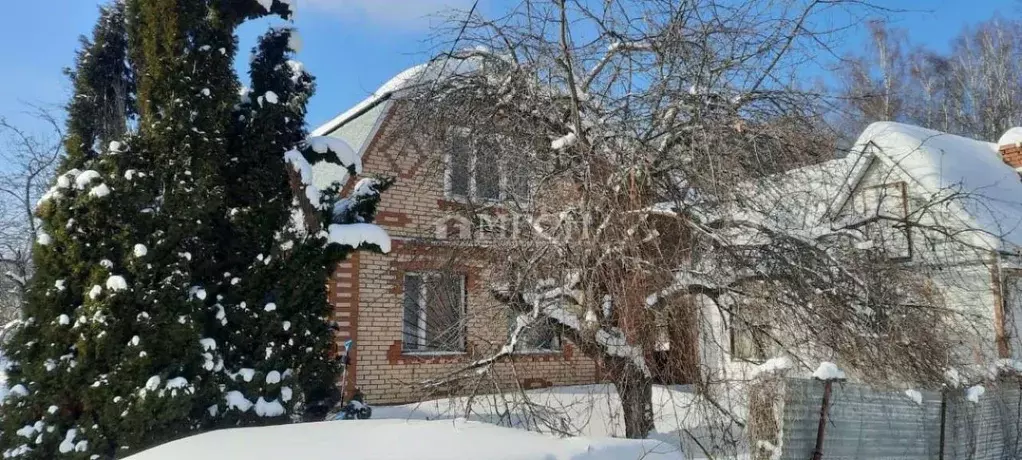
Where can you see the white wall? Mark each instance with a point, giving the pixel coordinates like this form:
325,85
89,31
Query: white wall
959,270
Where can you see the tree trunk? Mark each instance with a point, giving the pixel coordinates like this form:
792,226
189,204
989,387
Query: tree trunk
636,392
634,387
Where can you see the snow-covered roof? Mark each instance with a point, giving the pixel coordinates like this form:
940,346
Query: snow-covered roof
799,198
1012,136
942,163
406,79
359,124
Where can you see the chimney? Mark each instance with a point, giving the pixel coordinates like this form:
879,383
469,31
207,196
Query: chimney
1010,146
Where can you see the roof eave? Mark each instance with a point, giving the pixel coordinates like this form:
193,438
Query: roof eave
343,119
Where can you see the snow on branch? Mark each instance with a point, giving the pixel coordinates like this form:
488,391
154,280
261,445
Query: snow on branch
684,281
564,142
613,341
16,278
343,152
357,235
637,45
552,303
612,50
304,170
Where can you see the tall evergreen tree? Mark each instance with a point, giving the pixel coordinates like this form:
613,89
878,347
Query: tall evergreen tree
271,305
181,266
103,86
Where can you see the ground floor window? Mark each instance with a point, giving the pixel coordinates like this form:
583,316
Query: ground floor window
538,336
434,312
750,341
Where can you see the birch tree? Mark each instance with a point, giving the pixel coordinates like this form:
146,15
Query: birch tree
973,90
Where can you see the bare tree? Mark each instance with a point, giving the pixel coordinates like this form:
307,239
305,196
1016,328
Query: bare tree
875,84
972,91
649,136
986,85
30,160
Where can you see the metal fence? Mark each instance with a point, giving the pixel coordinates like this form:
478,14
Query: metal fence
860,422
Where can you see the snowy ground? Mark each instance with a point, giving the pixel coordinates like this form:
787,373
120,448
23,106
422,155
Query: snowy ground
447,429
400,440
683,421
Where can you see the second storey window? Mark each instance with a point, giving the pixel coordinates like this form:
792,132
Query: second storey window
478,170
887,206
434,312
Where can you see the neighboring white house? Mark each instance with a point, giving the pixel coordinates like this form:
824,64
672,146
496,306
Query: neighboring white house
964,197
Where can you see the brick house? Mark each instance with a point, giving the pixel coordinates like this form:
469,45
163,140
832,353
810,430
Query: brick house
424,309
418,313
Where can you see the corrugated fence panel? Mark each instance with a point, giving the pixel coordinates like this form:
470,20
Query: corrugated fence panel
862,424
985,431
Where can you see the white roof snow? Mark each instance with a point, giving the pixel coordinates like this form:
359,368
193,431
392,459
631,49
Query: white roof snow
943,163
798,199
1012,136
408,78
359,124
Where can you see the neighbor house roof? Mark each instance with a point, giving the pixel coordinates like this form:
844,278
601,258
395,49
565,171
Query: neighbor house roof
799,198
989,191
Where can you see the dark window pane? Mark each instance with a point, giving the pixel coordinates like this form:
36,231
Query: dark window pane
517,174
518,186
458,166
444,311
487,171
539,336
412,333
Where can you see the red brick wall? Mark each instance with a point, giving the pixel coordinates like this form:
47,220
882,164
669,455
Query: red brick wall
1012,155
343,293
367,293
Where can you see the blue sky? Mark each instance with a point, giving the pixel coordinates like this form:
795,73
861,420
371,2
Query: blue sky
351,46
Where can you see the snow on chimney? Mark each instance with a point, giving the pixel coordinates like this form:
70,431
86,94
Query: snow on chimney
1010,146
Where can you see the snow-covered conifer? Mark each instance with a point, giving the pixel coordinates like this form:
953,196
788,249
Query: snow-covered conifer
146,319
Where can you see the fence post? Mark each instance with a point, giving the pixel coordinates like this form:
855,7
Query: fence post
943,421
821,431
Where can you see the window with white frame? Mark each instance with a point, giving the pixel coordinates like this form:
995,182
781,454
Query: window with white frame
750,340
434,312
538,336
478,170
886,208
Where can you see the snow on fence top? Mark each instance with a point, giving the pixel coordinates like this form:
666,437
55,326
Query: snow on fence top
973,393
828,371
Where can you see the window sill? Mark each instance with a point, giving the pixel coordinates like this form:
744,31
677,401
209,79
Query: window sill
431,354
538,352
397,355
456,202
461,203
478,200
747,361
